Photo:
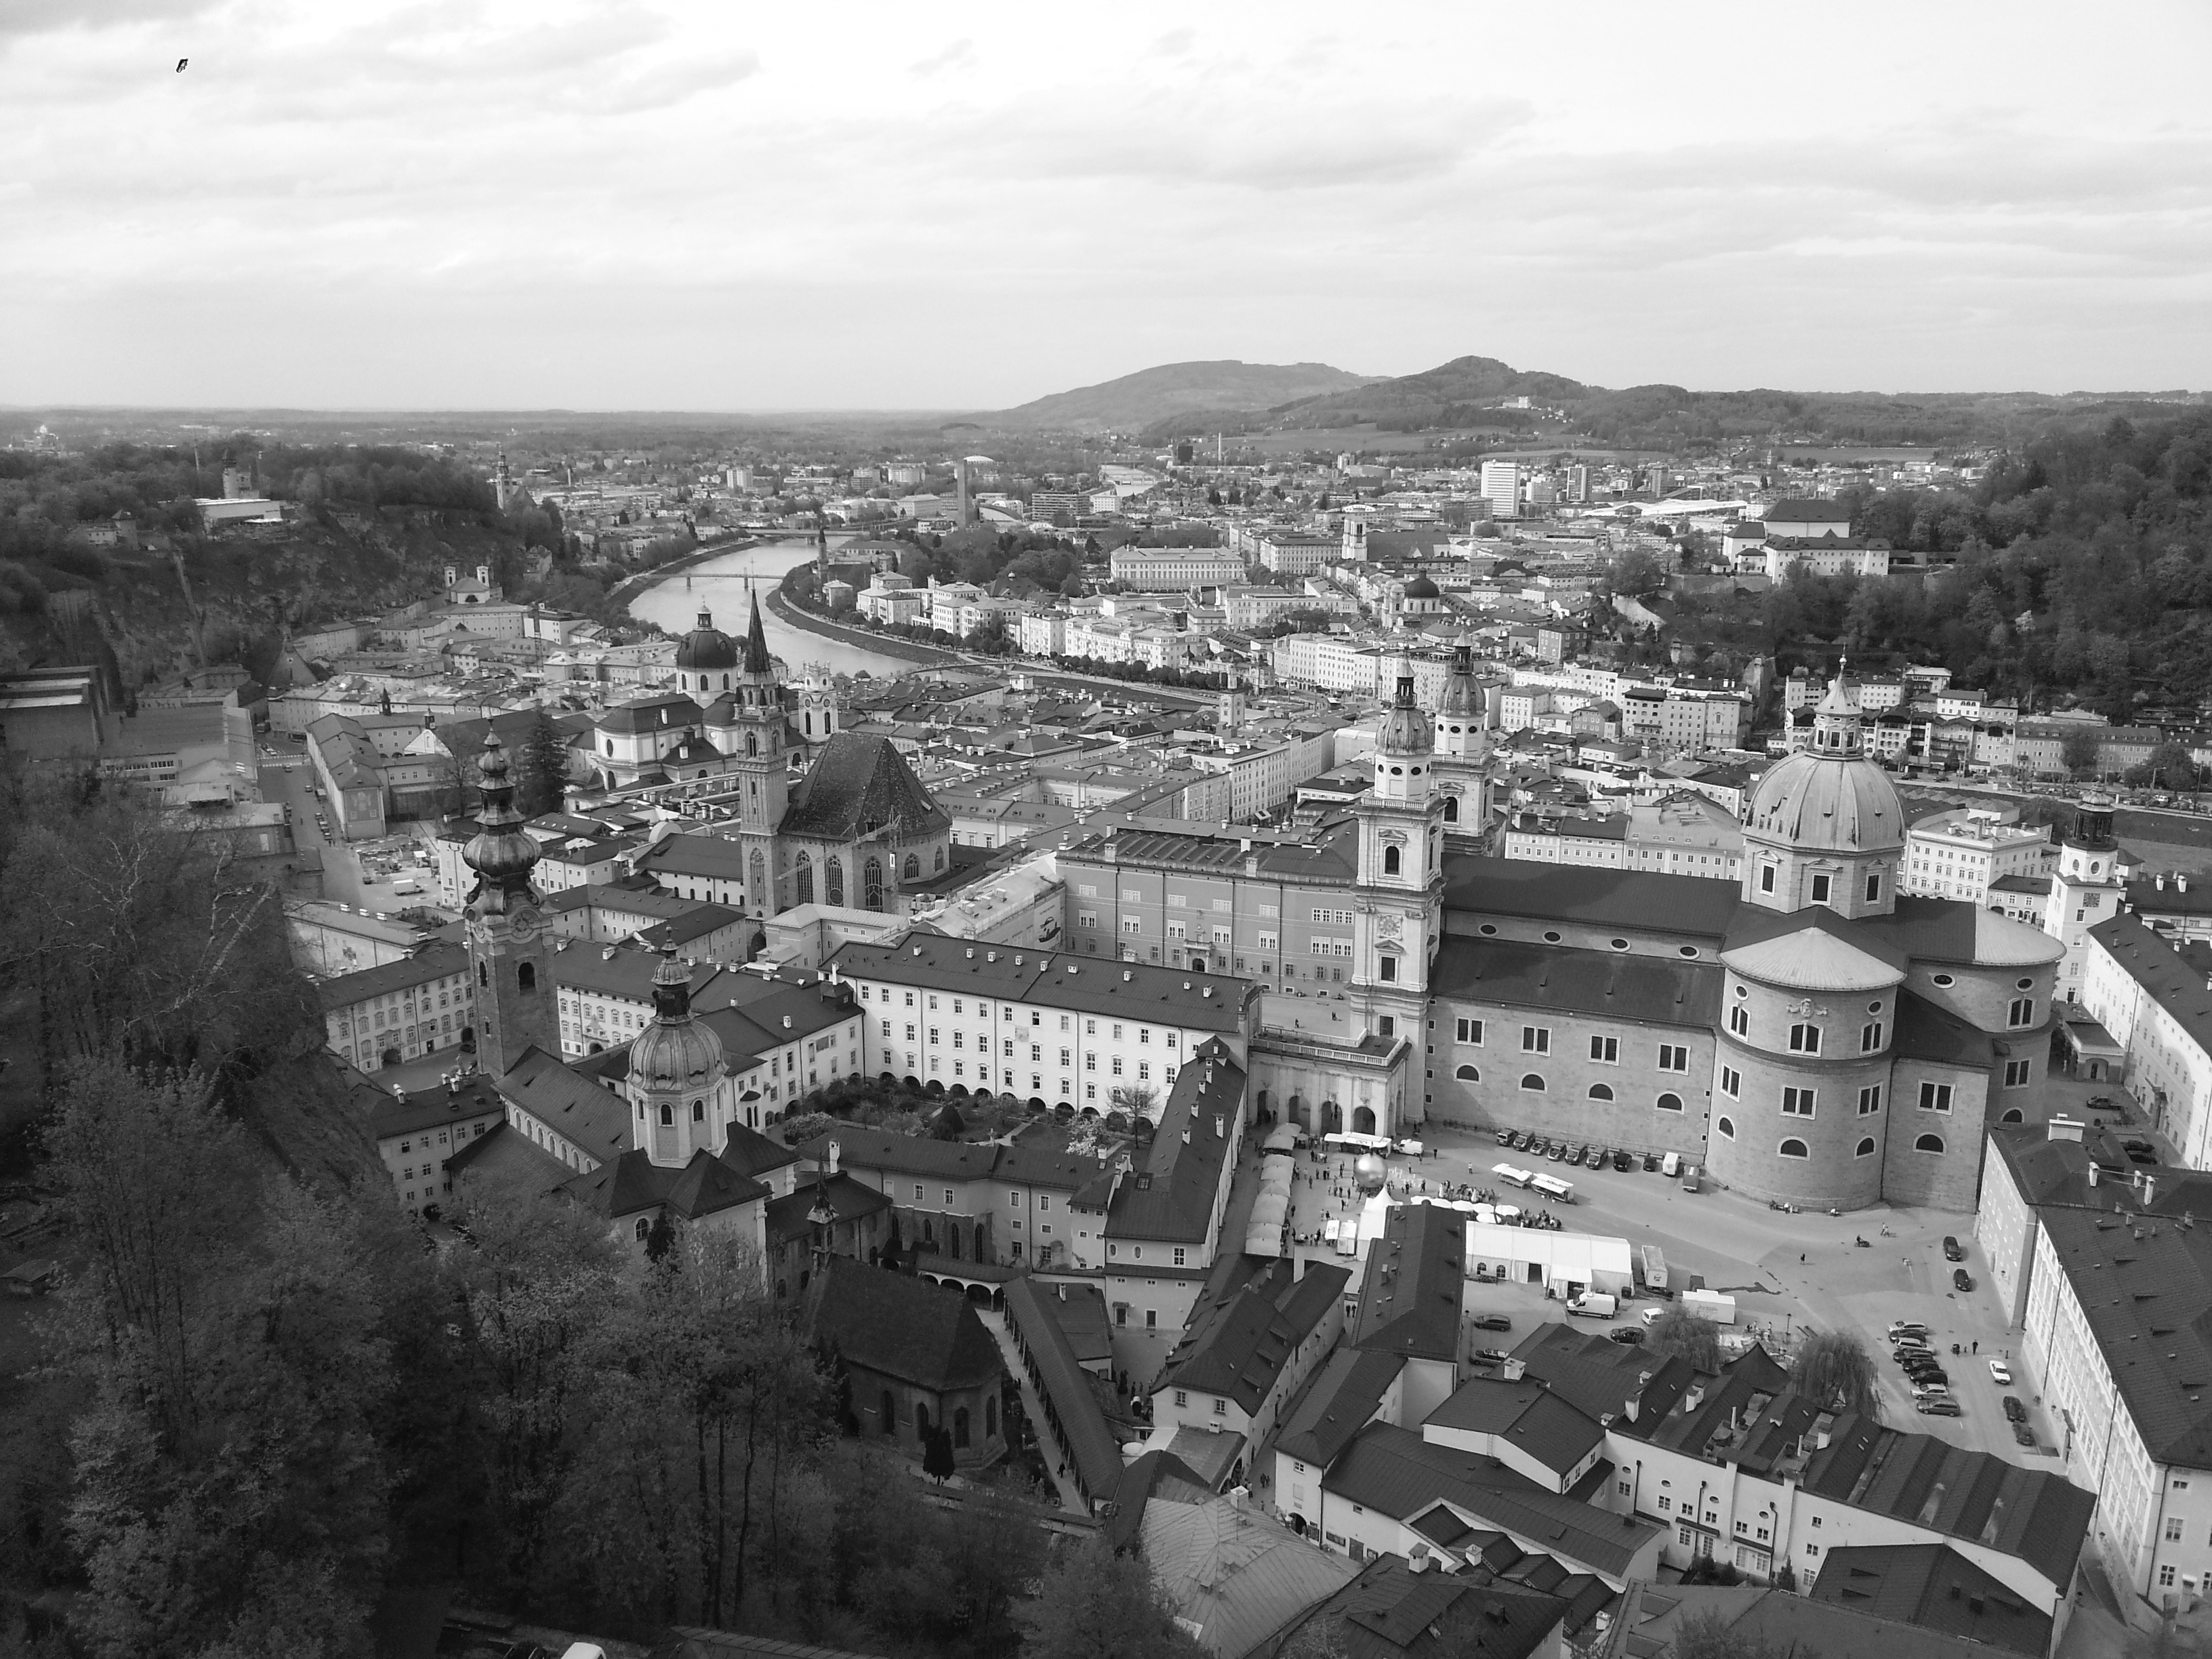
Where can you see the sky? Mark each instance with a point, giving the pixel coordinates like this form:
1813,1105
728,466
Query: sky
630,204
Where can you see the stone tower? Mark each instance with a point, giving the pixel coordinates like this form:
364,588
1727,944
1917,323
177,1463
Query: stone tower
1397,905
507,948
1463,750
760,744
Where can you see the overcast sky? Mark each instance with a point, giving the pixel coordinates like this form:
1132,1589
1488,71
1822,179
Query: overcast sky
471,204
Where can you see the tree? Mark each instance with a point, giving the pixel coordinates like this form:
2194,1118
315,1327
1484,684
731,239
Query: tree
1679,1333
1094,1604
1637,573
1833,1367
2079,750
1710,1636
542,774
937,1457
1137,1099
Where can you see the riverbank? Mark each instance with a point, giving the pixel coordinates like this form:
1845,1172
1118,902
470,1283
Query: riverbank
808,621
631,586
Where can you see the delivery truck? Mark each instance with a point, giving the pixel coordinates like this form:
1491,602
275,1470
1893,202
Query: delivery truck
1593,1304
1655,1270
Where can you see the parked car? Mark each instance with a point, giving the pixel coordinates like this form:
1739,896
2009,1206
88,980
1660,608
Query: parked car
2140,1151
1907,1327
2014,1409
1620,1160
1940,1405
1559,1150
1953,1251
2000,1374
1929,1379
2022,1433
1505,1137
1961,1279
1490,1356
1651,1162
1493,1322
1628,1335
1519,1141
2102,1103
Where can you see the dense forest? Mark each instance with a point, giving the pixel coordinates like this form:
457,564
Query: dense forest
2084,571
262,1397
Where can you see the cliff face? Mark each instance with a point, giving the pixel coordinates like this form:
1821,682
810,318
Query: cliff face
253,580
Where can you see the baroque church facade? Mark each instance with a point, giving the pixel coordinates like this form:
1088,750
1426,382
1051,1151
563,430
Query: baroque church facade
854,829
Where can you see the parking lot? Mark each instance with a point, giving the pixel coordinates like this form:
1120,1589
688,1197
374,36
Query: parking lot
1787,1272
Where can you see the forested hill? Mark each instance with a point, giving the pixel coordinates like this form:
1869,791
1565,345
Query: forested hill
2085,571
374,529
1135,400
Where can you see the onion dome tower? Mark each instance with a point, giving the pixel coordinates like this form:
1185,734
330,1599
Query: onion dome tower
676,1073
507,951
1462,749
1825,825
705,659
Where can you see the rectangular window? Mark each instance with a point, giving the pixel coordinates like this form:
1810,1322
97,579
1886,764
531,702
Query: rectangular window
1765,878
1820,889
2174,1528
1739,1021
1152,1319
1179,1255
1467,1031
1535,1039
2016,1073
1390,967
1797,1102
1673,1057
2022,1013
1804,1039
1182,1396
1731,1082
1935,1096
1605,1050
1870,1100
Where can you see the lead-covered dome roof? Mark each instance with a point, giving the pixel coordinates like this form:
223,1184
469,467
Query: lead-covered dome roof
1818,803
706,648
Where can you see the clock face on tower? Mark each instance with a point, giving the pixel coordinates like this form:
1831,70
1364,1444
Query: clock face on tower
524,924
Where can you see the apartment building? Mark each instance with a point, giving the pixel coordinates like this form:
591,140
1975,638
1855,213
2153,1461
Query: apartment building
1172,569
2154,997
1296,553
1264,773
1683,834
400,1011
604,995
1963,854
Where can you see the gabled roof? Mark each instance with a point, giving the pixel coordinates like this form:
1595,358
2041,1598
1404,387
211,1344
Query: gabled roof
1124,990
1409,1294
1231,1569
1687,907
1927,1031
1658,990
1251,1317
1341,1399
1934,1587
1543,1424
433,962
713,856
902,1327
634,1183
588,1115
1068,1387
788,1216
1390,1612
667,711
1170,1195
859,785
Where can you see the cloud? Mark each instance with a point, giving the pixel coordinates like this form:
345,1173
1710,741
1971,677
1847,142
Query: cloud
959,55
1174,43
28,17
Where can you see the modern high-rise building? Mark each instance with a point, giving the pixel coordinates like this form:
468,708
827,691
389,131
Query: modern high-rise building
1501,488
1578,483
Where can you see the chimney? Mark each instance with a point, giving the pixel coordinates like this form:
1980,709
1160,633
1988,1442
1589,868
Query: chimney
2092,1174
1693,1399
835,1150
786,1022
1628,1408
1216,1126
2150,1188
1515,1370
2161,882
2065,1128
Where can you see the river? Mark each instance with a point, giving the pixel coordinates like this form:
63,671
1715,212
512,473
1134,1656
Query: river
719,583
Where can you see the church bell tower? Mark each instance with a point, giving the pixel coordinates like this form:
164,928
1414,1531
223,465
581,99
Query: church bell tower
760,746
1399,912
508,951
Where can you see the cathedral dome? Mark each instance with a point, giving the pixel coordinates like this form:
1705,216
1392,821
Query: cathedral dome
1422,588
675,1052
705,648
1405,729
1816,803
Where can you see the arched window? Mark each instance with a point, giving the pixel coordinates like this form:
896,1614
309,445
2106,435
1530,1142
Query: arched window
667,1115
526,976
759,884
484,976
1601,1091
1390,859
2012,1117
644,1230
940,858
1726,1127
990,1417
698,1111
1929,1144
1532,1082
1468,1074
920,1421
1451,809
912,870
1793,1149
804,879
833,882
871,883
889,1413
1865,1148
752,743
960,1429
610,745
1669,1102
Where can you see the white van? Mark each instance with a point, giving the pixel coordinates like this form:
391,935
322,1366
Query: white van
408,889
1593,1304
1671,1165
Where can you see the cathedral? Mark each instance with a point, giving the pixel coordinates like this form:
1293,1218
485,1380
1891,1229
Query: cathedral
855,830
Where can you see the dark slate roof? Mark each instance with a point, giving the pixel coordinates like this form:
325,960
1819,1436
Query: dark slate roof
433,962
1928,1032
849,1198
857,784
1328,860
1934,1588
1170,1195
1124,990
471,1098
1658,990
1066,1387
753,1153
1805,509
757,658
1341,1400
1395,1471
1248,1321
666,711
2169,896
697,855
1390,1612
589,1116
634,1183
1929,929
863,1148
1597,1376
1684,907
1409,1294
903,1326
2179,982
1543,1424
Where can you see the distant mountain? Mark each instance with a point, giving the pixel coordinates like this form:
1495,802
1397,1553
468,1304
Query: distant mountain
1154,394
1450,394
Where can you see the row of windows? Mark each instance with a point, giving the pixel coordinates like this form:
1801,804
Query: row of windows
1795,1148
1822,884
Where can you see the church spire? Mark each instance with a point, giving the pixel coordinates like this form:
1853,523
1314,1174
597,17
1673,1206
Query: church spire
757,660
499,852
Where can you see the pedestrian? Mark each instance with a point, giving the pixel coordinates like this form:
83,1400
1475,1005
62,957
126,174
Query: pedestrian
1978,1345
1800,1256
